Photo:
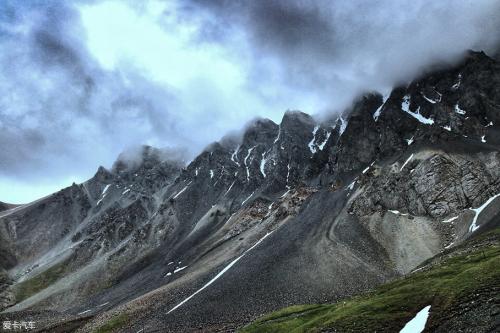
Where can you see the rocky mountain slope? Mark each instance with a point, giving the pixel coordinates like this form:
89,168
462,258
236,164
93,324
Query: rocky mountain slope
461,288
304,211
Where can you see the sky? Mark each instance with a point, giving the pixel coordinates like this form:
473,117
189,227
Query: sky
83,81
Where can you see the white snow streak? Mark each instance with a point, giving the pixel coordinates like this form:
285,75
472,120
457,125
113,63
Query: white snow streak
105,189
410,141
99,201
231,264
431,100
450,219
483,139
284,194
247,198
397,212
229,189
417,324
211,173
180,192
124,192
406,162
279,134
473,227
263,165
103,195
311,144
235,155
245,161
179,269
84,312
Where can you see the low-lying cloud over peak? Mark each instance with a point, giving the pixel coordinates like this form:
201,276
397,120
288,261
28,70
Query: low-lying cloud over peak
81,82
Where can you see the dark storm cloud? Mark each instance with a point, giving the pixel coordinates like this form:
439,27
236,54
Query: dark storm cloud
343,48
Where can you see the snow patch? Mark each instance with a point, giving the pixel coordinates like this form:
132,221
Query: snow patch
397,212
450,219
99,201
378,112
234,156
483,140
473,227
279,134
180,192
211,173
179,269
246,159
284,194
103,195
126,191
417,324
406,162
231,264
410,141
322,145
311,144
343,126
458,83
448,128
229,189
405,106
247,198
105,189
459,110
263,165
84,312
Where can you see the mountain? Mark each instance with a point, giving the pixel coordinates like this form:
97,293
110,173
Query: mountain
6,206
304,211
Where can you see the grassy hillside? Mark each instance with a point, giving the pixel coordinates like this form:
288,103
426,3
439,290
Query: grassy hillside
443,283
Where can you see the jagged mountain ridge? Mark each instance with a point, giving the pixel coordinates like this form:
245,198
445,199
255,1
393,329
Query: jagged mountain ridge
343,205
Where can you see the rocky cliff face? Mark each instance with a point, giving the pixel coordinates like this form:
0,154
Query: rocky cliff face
297,212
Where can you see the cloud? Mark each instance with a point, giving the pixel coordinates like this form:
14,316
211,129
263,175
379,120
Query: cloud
342,48
81,82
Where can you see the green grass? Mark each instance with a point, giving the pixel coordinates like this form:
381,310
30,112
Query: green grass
39,282
113,324
390,306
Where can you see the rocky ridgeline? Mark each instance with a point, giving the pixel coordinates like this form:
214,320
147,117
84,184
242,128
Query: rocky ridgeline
350,202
